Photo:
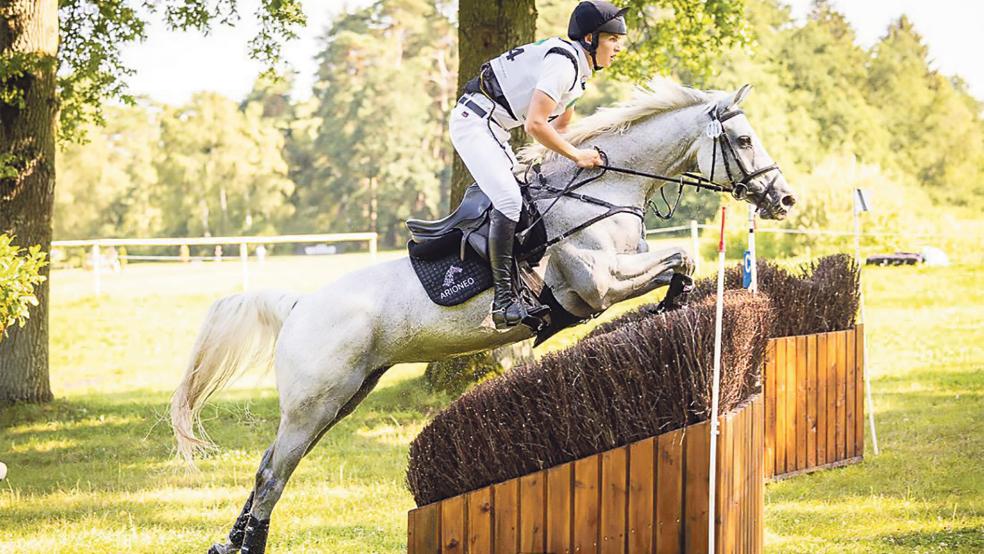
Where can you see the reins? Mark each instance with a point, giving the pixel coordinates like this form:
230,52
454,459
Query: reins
715,131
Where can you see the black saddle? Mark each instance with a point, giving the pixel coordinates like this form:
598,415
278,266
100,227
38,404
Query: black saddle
450,255
468,226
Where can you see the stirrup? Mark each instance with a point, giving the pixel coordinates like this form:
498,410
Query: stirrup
510,315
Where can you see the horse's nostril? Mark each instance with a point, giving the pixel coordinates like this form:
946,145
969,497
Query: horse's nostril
788,200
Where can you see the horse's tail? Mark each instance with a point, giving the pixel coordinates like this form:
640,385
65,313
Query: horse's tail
239,331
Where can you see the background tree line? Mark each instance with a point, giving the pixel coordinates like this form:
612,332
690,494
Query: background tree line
370,148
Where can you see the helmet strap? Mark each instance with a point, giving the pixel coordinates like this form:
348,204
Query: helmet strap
595,37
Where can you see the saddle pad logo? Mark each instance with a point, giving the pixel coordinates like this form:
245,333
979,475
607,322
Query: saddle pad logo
449,276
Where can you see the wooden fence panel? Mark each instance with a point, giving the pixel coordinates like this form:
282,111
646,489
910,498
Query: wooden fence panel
647,497
859,389
811,401
453,525
697,447
614,500
813,388
669,492
505,509
427,529
560,503
821,398
841,427
532,504
479,520
850,405
642,497
781,418
791,413
769,378
587,500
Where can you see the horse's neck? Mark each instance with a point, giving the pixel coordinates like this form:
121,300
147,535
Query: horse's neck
663,144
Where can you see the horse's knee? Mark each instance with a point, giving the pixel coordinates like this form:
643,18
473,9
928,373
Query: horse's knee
685,262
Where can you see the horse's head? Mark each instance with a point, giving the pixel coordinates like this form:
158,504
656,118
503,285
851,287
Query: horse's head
730,154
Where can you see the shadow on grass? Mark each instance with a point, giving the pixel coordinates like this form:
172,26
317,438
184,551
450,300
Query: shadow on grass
123,442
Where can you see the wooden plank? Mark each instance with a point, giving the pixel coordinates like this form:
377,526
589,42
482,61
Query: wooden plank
614,500
741,472
780,444
770,408
697,445
831,397
453,525
736,473
811,401
479,520
411,546
427,529
821,398
802,431
839,428
642,498
587,501
721,497
851,391
791,414
859,388
669,492
532,511
559,508
758,480
505,514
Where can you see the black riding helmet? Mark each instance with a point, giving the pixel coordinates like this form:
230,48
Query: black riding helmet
593,17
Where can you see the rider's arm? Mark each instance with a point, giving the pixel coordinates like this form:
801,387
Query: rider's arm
541,106
561,122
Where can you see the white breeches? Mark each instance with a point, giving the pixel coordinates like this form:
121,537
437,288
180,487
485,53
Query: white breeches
484,147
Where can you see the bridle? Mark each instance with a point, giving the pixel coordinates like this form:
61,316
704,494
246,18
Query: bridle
738,182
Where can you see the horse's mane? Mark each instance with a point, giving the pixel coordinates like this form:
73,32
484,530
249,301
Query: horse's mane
657,96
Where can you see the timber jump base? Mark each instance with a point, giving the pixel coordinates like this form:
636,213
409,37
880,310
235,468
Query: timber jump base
814,402
650,496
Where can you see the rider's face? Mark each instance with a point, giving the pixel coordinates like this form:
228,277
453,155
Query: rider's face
609,46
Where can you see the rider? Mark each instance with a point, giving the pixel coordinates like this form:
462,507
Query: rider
535,86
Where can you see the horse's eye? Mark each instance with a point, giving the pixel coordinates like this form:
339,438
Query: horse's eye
744,141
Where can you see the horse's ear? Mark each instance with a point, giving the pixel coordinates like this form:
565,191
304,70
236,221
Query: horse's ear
730,101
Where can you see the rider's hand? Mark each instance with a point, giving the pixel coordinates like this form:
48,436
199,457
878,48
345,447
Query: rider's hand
588,158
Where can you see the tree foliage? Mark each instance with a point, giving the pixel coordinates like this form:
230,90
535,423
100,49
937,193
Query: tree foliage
370,147
20,273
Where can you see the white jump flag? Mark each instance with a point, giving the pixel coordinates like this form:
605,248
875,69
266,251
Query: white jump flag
715,388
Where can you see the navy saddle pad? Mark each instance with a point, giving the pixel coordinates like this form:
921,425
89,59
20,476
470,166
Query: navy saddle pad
447,278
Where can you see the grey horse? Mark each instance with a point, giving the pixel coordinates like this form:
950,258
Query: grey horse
329,348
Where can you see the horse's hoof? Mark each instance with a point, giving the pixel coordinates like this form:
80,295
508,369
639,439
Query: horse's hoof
222,549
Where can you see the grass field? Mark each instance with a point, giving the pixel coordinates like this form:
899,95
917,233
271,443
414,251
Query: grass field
95,468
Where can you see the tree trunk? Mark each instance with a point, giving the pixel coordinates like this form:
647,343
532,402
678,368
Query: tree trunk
486,28
28,31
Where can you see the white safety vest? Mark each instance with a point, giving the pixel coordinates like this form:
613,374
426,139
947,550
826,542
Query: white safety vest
519,70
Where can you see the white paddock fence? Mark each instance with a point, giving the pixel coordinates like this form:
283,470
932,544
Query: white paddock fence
183,243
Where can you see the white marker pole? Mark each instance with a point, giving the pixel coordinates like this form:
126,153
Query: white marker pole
695,244
861,205
753,286
715,388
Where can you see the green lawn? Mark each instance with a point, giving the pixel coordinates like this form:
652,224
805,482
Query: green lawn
95,467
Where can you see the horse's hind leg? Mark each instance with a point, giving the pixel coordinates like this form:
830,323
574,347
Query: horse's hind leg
302,424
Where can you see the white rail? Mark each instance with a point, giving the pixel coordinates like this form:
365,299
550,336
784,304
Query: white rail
243,242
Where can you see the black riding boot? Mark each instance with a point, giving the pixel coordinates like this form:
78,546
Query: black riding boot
507,310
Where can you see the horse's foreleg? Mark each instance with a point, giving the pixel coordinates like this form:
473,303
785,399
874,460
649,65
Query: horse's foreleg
637,274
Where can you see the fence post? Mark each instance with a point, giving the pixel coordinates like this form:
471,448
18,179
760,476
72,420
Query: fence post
372,245
695,244
244,258
97,268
